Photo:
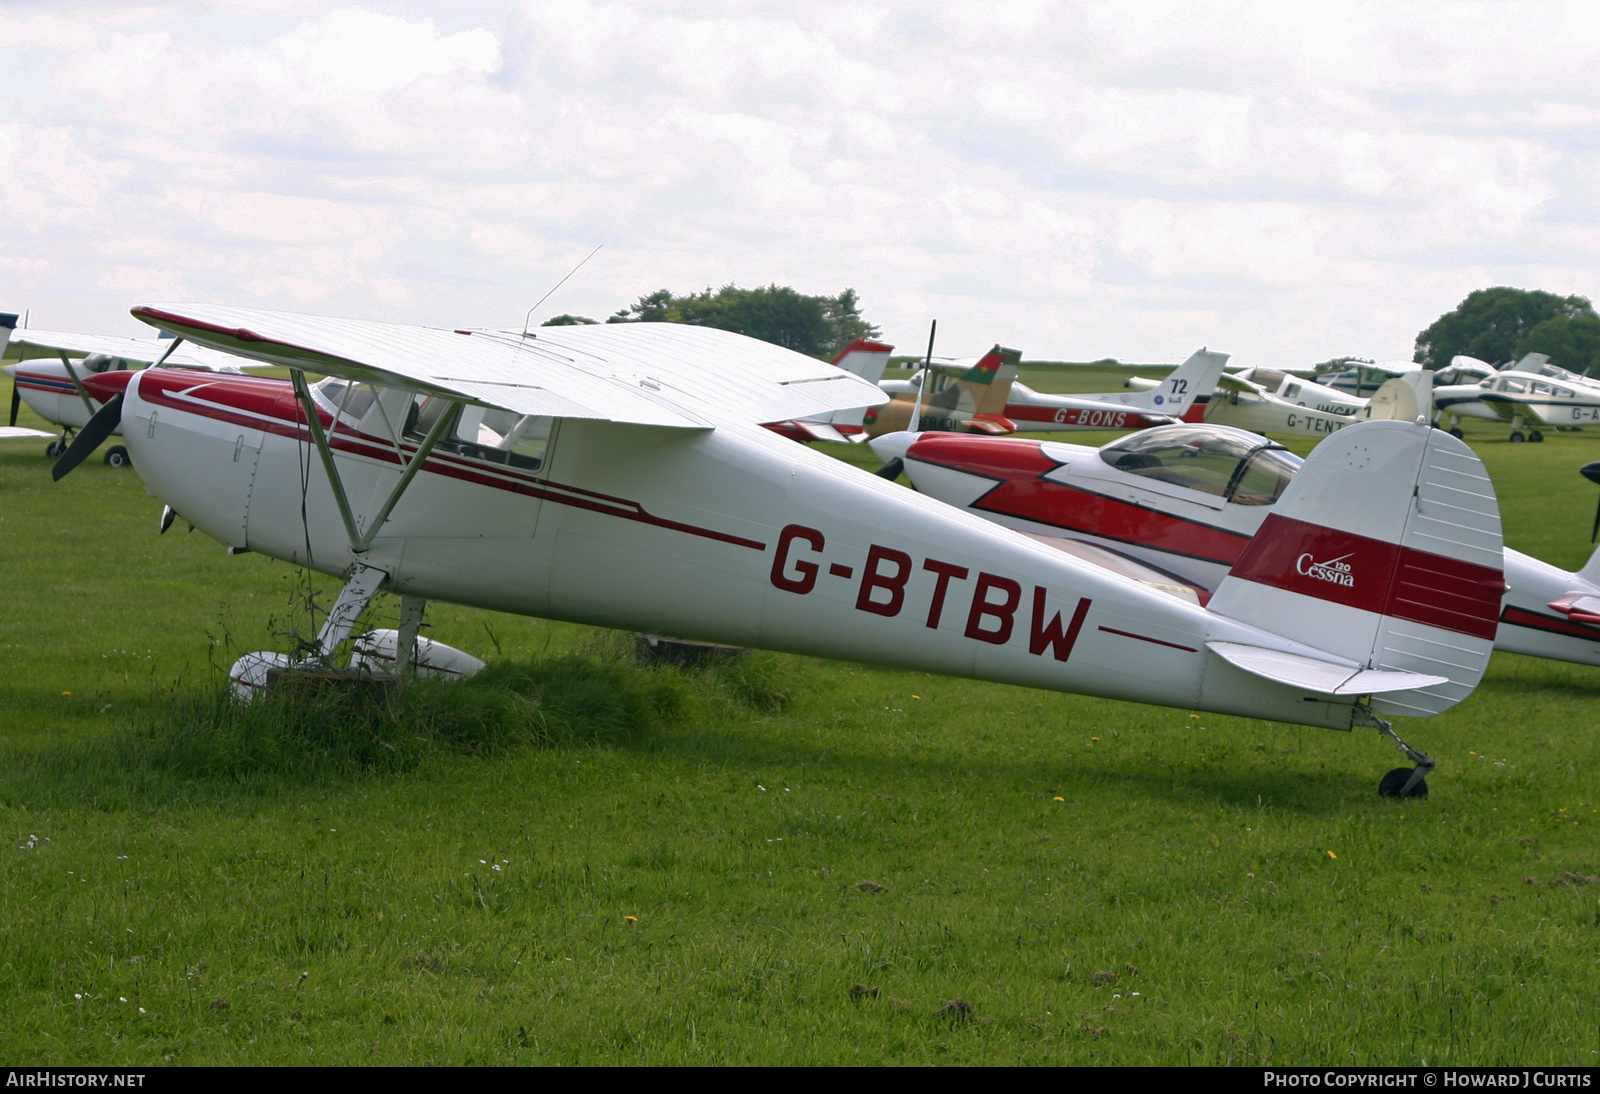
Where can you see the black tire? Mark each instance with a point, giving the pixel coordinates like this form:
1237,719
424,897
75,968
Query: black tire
1458,435
1389,786
1517,437
117,456
55,449
1536,437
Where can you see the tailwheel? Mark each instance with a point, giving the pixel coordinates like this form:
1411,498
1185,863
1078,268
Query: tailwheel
1517,437
1398,784
1536,437
117,456
1457,434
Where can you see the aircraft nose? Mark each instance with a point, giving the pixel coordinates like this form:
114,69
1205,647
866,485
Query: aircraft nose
893,446
103,385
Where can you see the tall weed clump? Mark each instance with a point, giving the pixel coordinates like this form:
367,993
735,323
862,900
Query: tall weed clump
565,701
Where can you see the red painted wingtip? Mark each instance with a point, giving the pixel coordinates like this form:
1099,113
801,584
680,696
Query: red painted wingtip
864,345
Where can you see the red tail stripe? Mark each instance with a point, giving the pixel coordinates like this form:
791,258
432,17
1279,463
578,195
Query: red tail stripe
1386,578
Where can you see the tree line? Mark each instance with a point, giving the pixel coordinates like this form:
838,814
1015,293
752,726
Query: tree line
821,326
1501,324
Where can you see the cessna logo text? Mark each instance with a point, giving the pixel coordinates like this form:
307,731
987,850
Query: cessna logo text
1335,571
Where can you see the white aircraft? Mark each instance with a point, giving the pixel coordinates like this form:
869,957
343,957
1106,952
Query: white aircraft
864,358
1182,396
12,432
1532,391
1188,500
617,475
47,378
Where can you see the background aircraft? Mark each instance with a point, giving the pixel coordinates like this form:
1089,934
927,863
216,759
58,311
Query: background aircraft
864,358
1532,391
950,395
1187,499
12,432
632,487
50,367
1182,396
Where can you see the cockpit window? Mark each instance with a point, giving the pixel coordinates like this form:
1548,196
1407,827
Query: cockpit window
1264,476
352,401
1235,465
499,436
1269,378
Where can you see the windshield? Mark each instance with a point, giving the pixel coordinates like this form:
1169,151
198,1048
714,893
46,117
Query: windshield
1225,463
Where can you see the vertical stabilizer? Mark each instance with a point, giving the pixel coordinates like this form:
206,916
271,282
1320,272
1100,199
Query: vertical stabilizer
1186,393
988,383
866,359
1403,398
1385,549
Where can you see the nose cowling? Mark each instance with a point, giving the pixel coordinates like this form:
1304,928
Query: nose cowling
103,385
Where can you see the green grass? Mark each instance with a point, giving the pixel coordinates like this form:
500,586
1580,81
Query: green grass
267,890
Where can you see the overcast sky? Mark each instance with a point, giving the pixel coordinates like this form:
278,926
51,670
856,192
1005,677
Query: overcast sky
1283,182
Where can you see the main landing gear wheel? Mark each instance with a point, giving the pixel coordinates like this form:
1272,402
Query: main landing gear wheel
1517,437
117,456
1397,784
1536,437
1458,435
55,449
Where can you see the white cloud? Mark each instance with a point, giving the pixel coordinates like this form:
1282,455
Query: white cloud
1287,182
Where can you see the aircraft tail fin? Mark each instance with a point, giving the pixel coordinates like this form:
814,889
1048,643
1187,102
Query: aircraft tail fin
988,383
866,359
1403,398
1386,551
1187,391
1591,569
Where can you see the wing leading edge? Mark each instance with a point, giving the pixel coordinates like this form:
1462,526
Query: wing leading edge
661,374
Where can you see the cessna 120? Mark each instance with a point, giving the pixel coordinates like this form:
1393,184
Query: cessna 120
618,475
1187,500
46,378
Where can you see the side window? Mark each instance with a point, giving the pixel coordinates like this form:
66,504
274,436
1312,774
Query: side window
350,401
483,433
1292,391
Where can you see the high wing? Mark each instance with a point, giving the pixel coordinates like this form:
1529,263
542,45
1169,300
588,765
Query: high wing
145,351
662,374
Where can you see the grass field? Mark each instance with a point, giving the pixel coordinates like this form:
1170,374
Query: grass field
789,861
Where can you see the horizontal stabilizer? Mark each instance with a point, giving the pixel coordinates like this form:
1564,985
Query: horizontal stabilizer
661,374
1323,677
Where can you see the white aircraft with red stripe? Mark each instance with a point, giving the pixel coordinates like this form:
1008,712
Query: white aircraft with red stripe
1182,396
618,475
1190,500
51,366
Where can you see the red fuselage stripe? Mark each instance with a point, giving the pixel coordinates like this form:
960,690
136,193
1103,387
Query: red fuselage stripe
269,405
1520,617
1147,638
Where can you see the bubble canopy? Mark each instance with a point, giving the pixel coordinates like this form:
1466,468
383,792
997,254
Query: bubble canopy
1240,467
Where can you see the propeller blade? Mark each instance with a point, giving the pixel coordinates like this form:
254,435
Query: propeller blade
16,402
891,470
89,438
1595,531
1590,471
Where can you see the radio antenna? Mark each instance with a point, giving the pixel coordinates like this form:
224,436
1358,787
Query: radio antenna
529,317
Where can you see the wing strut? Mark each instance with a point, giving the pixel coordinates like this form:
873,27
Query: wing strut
360,541
77,383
